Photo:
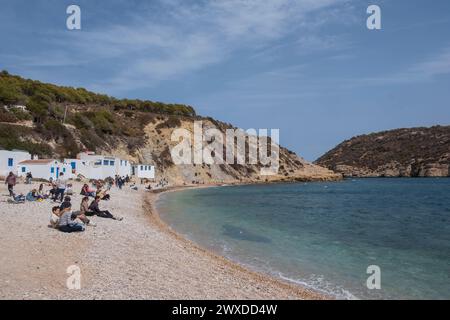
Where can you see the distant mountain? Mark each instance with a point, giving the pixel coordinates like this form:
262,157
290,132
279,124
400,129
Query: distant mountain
55,121
414,152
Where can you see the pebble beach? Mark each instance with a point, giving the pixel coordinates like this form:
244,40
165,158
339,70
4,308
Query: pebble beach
137,258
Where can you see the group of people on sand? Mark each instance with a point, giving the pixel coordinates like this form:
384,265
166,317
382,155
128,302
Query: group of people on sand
120,182
63,217
59,188
66,220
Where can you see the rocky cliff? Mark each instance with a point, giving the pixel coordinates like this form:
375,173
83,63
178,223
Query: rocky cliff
62,121
414,152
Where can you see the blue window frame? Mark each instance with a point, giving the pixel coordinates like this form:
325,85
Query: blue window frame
10,162
74,165
24,169
52,170
64,170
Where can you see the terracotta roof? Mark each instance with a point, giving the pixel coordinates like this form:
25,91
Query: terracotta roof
40,161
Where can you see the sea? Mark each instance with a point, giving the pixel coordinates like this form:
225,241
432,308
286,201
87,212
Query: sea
373,238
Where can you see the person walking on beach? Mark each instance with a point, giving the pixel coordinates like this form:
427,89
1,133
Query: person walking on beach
61,185
94,207
29,177
11,182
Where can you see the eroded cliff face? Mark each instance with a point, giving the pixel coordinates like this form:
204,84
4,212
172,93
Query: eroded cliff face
415,152
59,122
158,146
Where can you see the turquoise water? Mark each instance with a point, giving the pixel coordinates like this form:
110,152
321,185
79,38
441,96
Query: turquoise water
325,235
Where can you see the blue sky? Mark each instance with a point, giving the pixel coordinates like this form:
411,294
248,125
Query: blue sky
308,67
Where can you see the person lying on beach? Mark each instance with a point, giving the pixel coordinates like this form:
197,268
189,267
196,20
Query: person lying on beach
94,207
67,222
86,191
17,199
54,217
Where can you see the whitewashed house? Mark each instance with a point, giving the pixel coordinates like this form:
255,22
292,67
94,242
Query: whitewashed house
44,169
144,171
10,159
92,166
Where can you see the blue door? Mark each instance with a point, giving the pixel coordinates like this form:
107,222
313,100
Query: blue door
57,172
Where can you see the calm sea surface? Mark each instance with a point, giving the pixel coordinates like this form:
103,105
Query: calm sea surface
326,235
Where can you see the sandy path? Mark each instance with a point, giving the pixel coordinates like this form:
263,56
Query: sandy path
137,258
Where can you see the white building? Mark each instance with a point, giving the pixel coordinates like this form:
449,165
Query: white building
92,166
144,171
10,159
44,169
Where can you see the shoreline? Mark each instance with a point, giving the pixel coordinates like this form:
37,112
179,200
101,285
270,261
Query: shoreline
139,258
298,290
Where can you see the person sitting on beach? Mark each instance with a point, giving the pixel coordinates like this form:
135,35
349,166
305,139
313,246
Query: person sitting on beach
103,195
98,184
53,190
94,207
33,196
86,191
66,203
54,217
69,190
40,193
84,207
67,222
79,214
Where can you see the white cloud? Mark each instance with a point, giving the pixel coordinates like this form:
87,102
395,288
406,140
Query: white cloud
425,70
437,65
191,35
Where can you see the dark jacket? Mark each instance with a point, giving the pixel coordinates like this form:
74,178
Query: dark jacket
94,207
11,180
